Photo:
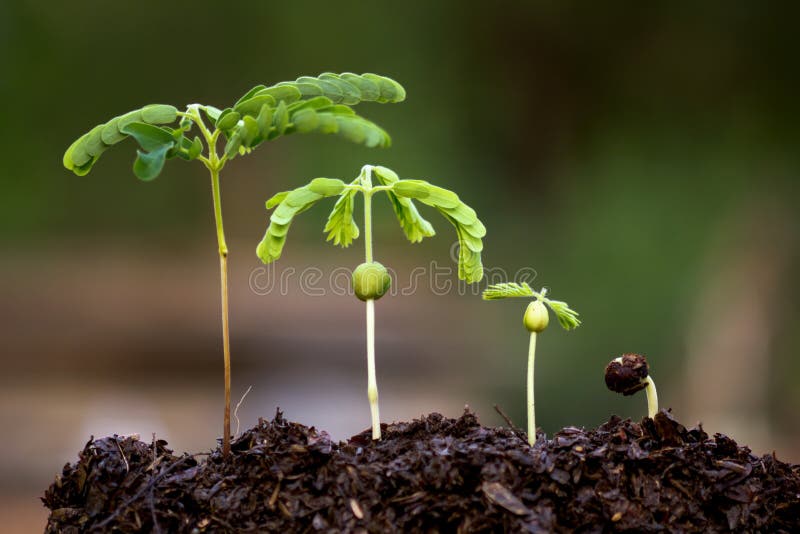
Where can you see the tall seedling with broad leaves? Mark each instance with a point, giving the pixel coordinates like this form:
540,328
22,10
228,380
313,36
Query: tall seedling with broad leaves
321,104
370,279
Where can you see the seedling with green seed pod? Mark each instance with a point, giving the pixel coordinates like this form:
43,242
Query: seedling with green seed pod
370,279
629,374
535,320
319,104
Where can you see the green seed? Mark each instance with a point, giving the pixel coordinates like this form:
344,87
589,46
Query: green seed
536,316
371,281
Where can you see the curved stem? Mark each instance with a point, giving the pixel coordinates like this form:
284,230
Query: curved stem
652,398
531,407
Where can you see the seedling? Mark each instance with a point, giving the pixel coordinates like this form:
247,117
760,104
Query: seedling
306,105
370,279
535,320
630,373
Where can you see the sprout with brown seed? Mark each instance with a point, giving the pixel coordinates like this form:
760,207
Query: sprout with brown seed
630,373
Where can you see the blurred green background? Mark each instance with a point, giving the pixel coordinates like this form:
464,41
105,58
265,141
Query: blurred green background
642,159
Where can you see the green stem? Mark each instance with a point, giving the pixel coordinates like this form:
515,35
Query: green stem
223,274
652,398
531,408
372,382
214,165
366,181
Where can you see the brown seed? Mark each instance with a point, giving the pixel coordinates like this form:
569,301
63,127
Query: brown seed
627,377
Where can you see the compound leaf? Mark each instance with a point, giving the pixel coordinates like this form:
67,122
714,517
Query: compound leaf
468,228
507,290
567,317
86,150
414,226
341,225
289,204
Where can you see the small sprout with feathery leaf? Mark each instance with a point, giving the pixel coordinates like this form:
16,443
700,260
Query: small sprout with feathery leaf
535,320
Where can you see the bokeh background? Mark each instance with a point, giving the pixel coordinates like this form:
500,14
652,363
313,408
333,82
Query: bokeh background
643,160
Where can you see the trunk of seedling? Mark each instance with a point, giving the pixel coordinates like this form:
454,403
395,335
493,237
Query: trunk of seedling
223,274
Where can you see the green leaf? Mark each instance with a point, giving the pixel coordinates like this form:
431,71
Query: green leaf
305,120
196,148
307,90
350,93
384,175
507,290
93,144
249,94
281,93
289,204
148,165
316,103
348,88
567,317
341,225
228,118
328,89
148,136
301,196
249,130
233,144
411,189
360,130
414,226
86,150
264,121
159,114
280,120
276,199
390,90
127,118
327,187
76,155
253,105
469,229
111,134
212,113
370,91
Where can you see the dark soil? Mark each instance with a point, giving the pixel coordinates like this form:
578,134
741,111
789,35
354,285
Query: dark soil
432,475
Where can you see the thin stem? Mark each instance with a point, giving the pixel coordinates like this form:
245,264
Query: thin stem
531,407
372,382
214,165
652,398
223,275
366,181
